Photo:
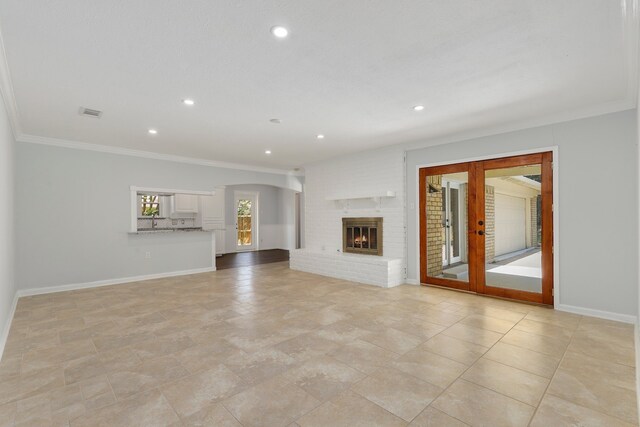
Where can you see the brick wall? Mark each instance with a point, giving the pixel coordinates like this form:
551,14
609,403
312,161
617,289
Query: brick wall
490,223
356,174
371,270
434,225
534,221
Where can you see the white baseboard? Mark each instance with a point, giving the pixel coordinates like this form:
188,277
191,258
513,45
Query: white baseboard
109,282
625,318
7,326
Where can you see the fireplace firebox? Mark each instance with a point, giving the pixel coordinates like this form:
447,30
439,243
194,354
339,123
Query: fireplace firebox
362,235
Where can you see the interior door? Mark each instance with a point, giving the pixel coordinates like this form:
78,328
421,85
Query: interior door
487,227
246,208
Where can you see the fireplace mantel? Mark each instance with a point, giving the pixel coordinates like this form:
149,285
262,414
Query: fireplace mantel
356,196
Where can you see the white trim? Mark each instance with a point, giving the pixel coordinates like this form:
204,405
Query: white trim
8,95
556,206
630,102
76,145
109,282
7,326
556,226
133,227
626,318
579,114
553,148
632,32
411,281
174,191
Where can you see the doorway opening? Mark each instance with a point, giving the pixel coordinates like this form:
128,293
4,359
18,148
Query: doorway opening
487,227
246,210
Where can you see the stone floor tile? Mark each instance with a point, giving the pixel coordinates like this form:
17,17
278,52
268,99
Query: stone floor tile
476,405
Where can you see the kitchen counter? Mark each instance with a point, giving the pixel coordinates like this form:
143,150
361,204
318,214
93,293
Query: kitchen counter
170,230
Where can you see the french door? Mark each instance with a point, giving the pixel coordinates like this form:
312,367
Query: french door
487,227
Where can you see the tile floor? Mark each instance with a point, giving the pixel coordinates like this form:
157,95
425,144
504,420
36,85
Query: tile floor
268,346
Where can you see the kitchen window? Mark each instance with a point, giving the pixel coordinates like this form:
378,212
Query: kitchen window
149,205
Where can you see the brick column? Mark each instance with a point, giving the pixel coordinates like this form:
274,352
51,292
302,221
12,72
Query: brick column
490,223
534,221
434,226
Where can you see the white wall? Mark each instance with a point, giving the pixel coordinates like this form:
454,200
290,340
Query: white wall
74,215
7,236
363,173
598,191
275,216
286,200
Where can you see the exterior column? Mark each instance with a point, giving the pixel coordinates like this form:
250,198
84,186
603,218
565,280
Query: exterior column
434,226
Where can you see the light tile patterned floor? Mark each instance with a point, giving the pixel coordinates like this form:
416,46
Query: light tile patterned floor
268,346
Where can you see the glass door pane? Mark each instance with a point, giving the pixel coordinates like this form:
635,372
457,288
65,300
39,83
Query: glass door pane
513,228
446,224
244,209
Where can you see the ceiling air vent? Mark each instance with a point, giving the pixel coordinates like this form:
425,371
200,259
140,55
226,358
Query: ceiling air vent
90,112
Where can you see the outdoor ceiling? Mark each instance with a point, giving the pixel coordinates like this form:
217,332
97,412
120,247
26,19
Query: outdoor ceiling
350,70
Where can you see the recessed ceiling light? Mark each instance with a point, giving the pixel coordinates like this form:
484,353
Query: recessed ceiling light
321,136
275,121
267,152
279,32
418,108
153,131
188,101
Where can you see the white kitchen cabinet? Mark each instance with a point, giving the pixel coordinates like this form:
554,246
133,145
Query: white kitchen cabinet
185,203
212,209
212,213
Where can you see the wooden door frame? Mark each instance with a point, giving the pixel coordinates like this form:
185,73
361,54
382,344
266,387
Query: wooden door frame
441,170
545,160
476,169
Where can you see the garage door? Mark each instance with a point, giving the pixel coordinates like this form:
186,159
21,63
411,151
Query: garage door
510,224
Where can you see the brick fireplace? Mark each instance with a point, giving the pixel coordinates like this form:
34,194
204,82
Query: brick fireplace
362,235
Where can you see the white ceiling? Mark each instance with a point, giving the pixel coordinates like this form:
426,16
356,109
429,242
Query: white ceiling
351,70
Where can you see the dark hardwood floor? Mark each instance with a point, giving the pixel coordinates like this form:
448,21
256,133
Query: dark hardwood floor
244,259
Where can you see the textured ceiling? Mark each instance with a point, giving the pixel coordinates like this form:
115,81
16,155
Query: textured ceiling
351,70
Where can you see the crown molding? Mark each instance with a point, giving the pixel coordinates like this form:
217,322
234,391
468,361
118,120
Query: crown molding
632,36
8,96
6,89
629,103
76,145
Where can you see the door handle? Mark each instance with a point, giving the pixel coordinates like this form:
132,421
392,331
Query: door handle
481,233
